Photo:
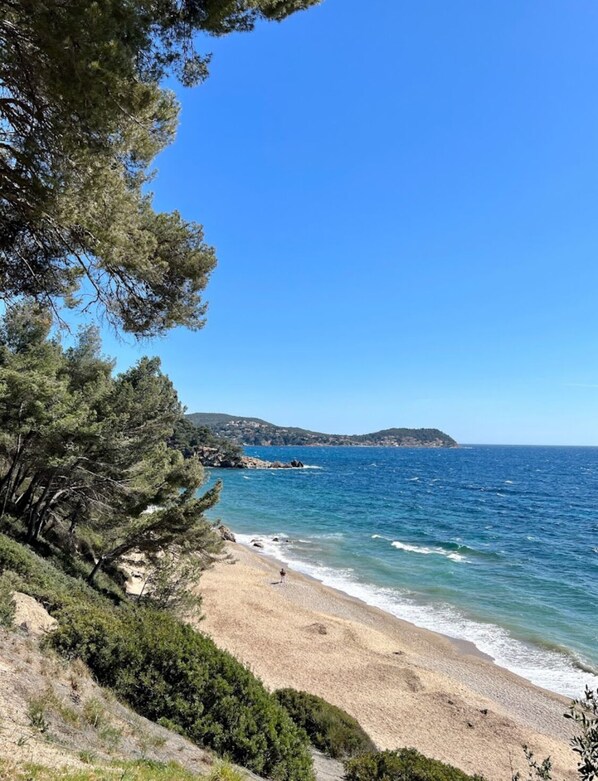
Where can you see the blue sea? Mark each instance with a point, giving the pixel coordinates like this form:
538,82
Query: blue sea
496,545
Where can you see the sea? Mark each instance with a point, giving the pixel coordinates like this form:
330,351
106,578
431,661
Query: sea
494,545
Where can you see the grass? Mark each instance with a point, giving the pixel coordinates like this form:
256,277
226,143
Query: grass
38,707
140,770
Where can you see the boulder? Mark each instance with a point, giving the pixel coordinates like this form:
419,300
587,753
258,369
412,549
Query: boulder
225,533
296,464
258,544
31,616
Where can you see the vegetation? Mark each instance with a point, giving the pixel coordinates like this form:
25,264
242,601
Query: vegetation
404,765
330,729
139,770
7,605
254,431
83,454
82,117
201,441
169,672
21,569
584,712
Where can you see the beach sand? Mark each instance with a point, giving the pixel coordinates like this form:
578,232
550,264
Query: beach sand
406,686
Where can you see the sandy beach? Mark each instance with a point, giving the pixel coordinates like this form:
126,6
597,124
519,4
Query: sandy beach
406,686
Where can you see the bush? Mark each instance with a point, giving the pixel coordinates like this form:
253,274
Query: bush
168,672
407,764
41,579
7,604
329,728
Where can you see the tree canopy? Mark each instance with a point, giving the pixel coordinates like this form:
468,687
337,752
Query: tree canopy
84,453
82,116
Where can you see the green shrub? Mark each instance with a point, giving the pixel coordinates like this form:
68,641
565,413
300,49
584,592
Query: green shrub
7,604
407,764
41,579
329,728
170,673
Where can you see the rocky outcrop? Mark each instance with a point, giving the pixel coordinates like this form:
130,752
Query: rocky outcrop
215,457
225,533
250,462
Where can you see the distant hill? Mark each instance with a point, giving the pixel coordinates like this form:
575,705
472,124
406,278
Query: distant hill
255,431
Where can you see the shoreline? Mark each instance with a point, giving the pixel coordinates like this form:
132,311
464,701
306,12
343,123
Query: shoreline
467,647
549,667
406,685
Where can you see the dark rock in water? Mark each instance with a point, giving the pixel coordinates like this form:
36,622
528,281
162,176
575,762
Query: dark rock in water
258,544
296,464
275,539
225,533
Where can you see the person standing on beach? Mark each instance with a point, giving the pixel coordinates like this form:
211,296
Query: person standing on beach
283,575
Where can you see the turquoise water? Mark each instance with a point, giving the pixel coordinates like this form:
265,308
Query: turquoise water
497,545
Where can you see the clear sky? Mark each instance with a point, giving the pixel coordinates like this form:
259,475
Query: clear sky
404,199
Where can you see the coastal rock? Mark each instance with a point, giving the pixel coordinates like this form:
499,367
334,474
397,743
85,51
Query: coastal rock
217,458
225,533
296,464
258,544
251,462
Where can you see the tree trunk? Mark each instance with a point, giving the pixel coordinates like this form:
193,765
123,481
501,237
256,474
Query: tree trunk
97,567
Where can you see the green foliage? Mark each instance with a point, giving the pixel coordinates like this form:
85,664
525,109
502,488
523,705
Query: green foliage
536,771
36,713
33,575
169,672
84,454
138,770
193,440
584,712
171,580
7,604
255,431
329,728
404,765
224,771
82,117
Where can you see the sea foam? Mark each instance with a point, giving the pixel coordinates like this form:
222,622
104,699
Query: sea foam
552,669
452,555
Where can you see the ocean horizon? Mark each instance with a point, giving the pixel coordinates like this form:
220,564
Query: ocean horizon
493,544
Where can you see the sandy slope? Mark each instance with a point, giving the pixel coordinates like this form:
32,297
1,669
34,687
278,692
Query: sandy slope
407,686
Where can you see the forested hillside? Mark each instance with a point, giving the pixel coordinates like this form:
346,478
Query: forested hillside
255,431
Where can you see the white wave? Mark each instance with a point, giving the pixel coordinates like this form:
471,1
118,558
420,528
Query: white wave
311,466
413,479
453,555
508,482
550,669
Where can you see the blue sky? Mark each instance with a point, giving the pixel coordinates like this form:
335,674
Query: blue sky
404,199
